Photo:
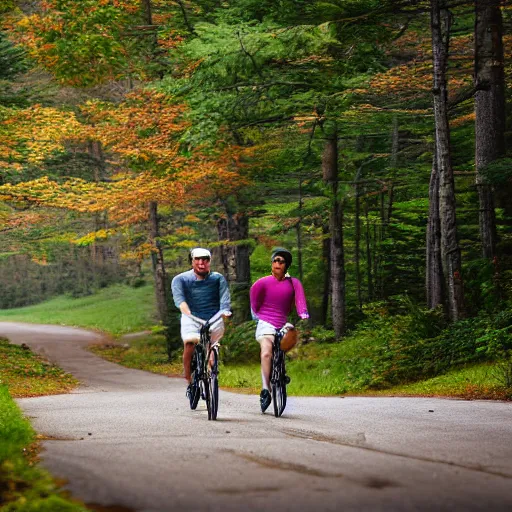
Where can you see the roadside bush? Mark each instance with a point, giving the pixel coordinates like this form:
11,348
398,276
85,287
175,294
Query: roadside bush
239,345
24,486
417,345
496,344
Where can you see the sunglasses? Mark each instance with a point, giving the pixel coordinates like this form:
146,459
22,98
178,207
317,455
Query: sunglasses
279,260
203,258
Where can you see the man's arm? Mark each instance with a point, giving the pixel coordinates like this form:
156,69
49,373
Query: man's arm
184,308
178,294
225,297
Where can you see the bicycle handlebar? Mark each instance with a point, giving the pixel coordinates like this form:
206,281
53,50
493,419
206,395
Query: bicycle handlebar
213,320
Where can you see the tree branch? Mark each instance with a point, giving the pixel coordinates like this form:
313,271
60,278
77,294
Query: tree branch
262,86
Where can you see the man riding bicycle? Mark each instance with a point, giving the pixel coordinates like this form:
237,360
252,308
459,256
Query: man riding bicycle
201,293
272,298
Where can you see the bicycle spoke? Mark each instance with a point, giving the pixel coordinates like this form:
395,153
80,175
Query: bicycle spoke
214,385
194,390
278,383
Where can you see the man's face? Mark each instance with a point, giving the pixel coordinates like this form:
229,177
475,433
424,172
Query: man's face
201,265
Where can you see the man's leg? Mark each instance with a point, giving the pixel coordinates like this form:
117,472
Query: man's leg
188,351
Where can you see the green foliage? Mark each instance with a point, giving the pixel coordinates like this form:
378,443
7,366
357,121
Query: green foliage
499,172
24,487
239,344
406,347
65,270
11,59
84,42
496,344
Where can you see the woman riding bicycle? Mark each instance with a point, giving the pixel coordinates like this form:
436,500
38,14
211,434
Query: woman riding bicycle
272,298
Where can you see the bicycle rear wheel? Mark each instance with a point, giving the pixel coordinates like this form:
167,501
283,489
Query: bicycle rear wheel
279,384
194,385
213,387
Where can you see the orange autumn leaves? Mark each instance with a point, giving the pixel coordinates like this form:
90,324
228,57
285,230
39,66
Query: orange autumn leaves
411,81
87,42
80,41
142,141
30,135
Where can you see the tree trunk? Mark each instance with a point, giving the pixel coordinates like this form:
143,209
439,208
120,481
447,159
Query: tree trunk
490,114
369,264
357,243
330,175
235,261
100,222
434,272
391,191
162,290
148,17
450,250
395,141
326,253
299,233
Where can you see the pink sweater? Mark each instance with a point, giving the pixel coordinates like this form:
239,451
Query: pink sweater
272,300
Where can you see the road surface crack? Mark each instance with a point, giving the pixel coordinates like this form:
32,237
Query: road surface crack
360,442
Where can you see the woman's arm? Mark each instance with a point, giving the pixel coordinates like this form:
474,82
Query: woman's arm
300,299
256,296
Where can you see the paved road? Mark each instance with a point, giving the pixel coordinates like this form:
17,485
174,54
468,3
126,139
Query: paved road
127,439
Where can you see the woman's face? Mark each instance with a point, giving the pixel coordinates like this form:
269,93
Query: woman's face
278,266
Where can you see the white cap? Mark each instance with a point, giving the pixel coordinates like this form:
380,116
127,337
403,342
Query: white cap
199,252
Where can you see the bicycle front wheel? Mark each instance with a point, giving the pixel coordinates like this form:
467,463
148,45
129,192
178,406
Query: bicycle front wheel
279,385
213,384
195,390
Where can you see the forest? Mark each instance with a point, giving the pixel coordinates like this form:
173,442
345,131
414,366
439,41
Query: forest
370,137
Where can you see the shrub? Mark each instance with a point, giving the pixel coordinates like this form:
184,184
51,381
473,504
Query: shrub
239,344
417,345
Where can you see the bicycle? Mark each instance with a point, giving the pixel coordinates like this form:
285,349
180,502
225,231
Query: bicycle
205,367
278,377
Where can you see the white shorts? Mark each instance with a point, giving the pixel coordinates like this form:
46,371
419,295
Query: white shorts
190,329
264,329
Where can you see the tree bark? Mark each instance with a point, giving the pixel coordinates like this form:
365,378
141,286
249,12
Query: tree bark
337,259
162,291
357,243
450,250
235,261
369,263
95,150
299,233
434,280
148,16
326,253
490,117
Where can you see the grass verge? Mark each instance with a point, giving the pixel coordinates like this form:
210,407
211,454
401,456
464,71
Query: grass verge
27,374
144,353
24,486
117,310
316,369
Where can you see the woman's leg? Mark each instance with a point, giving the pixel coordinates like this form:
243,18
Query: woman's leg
266,359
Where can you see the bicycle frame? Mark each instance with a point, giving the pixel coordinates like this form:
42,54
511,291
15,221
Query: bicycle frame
205,372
